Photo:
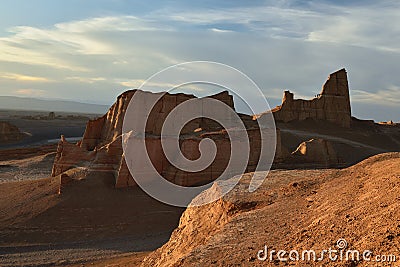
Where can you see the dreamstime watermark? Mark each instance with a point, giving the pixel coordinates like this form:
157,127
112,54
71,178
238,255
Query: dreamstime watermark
341,252
138,116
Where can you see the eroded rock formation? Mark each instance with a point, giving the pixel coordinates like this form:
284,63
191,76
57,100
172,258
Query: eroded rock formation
101,146
332,104
9,133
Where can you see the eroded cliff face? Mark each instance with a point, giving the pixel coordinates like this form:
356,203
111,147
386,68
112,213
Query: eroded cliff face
109,127
332,104
101,146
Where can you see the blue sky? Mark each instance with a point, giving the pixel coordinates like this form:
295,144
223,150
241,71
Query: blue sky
91,51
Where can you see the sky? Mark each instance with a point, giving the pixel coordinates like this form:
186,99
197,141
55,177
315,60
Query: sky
93,50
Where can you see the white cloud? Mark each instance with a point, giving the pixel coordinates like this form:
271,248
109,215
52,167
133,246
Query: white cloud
389,96
56,46
33,52
131,83
58,39
374,26
86,79
279,47
30,92
23,78
220,30
270,20
110,23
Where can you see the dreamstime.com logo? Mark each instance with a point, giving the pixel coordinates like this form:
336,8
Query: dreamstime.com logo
211,75
340,253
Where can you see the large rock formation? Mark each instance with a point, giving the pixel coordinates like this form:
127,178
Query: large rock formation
332,104
109,127
101,146
9,133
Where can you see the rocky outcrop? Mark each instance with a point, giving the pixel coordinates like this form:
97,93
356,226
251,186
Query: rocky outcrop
101,146
316,151
109,127
69,156
10,133
332,104
189,148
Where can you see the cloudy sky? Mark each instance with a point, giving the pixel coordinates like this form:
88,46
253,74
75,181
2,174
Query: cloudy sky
92,50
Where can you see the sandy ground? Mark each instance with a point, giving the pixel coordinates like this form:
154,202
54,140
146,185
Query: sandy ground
89,221
295,210
26,169
126,260
92,224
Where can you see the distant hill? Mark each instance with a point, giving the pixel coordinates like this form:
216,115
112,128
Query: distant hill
24,103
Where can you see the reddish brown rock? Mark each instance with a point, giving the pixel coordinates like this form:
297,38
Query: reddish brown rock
190,149
10,133
101,146
123,176
332,104
69,156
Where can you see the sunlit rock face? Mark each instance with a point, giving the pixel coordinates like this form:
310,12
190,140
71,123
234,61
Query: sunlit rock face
101,146
332,104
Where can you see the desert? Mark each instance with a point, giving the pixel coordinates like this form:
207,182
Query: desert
199,133
76,204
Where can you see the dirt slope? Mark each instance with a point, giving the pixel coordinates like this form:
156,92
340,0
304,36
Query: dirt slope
32,168
294,210
20,201
89,220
